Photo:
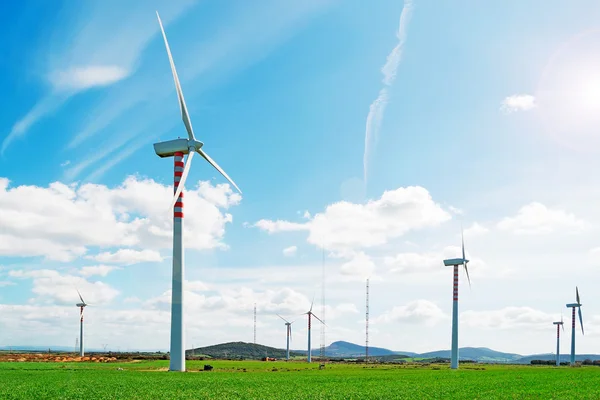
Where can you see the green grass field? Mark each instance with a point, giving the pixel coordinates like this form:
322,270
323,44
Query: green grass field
280,380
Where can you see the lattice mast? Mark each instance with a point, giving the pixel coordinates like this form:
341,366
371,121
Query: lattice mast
367,325
322,349
254,323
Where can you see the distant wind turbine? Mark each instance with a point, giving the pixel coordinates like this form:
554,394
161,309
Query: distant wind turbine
559,324
288,334
311,314
573,306
81,306
455,262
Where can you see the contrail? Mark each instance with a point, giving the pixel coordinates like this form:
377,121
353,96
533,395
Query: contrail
377,108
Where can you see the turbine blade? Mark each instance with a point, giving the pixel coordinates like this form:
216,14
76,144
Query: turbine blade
462,238
282,317
81,298
184,112
467,271
186,171
577,294
312,303
214,164
319,319
580,320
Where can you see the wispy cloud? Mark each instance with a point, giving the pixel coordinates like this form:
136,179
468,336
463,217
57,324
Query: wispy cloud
85,77
251,33
91,49
377,108
518,102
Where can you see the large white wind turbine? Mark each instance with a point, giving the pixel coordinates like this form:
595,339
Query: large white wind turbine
177,148
559,324
311,314
455,262
81,306
573,306
288,330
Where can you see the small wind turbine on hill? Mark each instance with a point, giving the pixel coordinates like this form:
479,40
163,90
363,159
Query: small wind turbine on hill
81,306
310,314
177,148
559,324
288,329
573,306
455,262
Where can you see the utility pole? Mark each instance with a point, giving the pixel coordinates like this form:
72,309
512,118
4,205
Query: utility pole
367,326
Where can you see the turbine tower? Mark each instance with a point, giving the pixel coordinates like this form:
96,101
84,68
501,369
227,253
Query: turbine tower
559,324
81,306
177,148
311,314
288,329
573,306
455,262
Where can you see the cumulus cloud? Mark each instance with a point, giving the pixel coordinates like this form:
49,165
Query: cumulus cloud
128,256
518,102
344,225
52,287
62,222
290,251
508,318
537,219
100,270
422,312
360,265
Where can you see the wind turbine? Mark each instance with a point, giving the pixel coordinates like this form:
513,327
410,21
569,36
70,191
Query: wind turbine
81,306
311,314
288,329
573,306
177,148
455,262
559,325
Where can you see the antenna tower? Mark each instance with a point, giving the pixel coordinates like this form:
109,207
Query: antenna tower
254,323
367,326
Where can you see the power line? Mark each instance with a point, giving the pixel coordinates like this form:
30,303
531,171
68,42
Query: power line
254,323
322,350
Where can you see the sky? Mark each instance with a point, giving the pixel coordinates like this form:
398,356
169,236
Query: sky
367,132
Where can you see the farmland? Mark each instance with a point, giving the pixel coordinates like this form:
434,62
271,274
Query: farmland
281,380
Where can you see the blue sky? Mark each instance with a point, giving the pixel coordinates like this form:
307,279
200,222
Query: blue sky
489,121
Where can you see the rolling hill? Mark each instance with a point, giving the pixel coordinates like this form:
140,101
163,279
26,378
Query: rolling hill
240,350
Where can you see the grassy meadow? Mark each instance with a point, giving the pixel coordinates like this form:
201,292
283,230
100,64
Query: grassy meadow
294,380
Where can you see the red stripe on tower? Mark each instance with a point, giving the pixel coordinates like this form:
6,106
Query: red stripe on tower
455,292
573,319
177,173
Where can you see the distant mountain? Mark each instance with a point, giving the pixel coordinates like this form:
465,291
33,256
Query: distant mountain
350,350
240,350
481,354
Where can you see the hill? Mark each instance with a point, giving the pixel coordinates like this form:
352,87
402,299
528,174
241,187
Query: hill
563,357
239,350
347,349
481,354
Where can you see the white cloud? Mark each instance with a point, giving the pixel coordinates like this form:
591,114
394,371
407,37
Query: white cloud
6,283
414,312
52,287
536,219
290,251
62,222
64,164
344,225
389,69
476,230
196,286
100,270
518,102
128,256
360,265
455,210
86,77
508,318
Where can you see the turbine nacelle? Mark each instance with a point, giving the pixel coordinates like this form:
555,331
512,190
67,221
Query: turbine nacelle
455,261
574,305
170,147
81,304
